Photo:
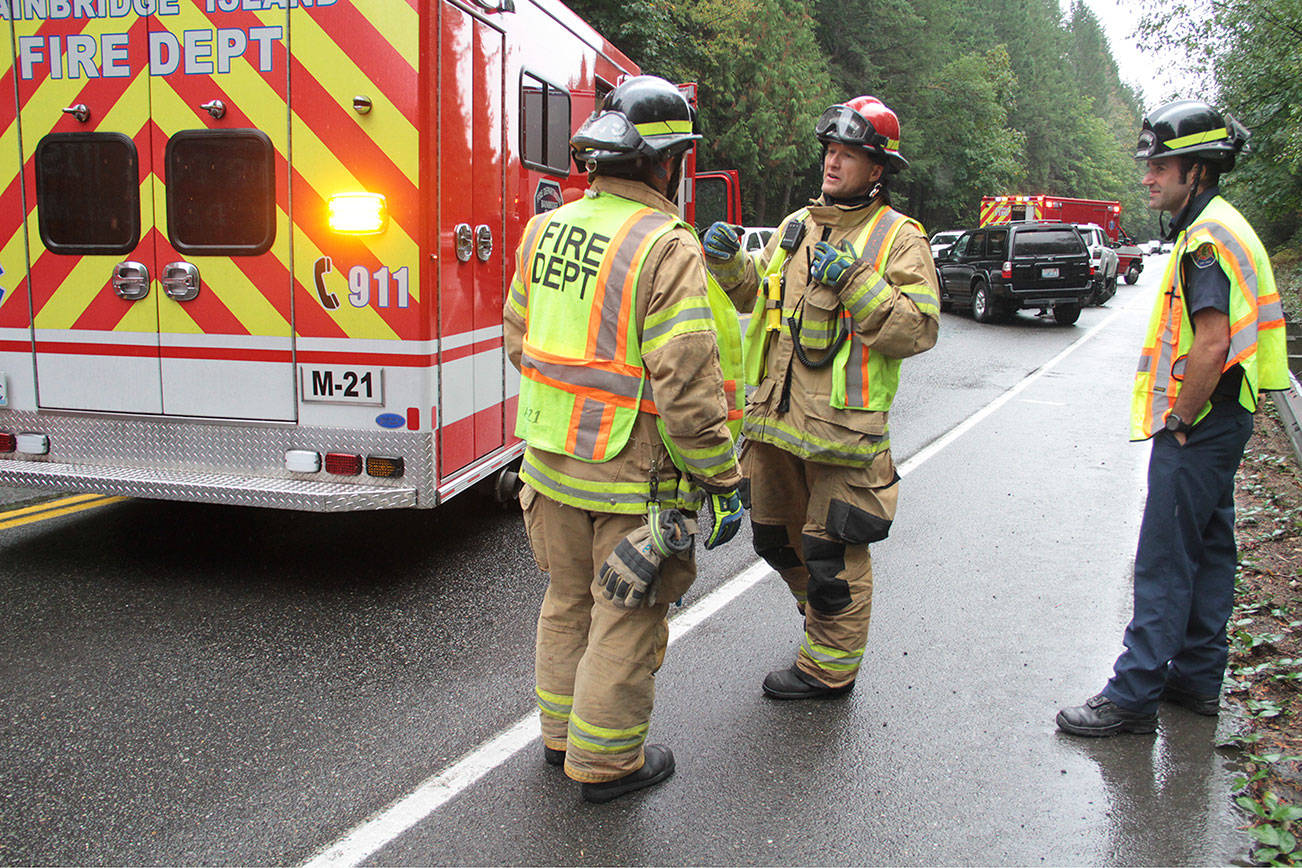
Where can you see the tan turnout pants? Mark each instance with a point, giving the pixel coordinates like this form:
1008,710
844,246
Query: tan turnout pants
595,663
812,523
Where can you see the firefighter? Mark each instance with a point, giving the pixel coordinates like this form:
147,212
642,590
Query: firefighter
624,410
1215,339
845,289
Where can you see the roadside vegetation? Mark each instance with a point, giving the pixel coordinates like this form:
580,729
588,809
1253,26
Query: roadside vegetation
1265,674
1265,684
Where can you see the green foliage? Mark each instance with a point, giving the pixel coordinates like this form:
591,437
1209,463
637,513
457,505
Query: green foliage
1248,54
1272,818
762,83
971,150
1272,828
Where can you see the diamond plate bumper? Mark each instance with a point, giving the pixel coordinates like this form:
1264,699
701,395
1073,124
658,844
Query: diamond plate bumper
301,494
213,461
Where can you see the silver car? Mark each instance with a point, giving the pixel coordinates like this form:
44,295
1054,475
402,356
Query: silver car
943,240
1103,260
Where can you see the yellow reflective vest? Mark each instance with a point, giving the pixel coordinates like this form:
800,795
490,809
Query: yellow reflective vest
583,382
1256,321
861,379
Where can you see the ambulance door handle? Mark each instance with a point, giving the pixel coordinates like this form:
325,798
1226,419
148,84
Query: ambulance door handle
78,111
180,281
483,242
130,280
465,241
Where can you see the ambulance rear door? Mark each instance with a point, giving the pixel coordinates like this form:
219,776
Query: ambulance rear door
219,133
87,191
155,182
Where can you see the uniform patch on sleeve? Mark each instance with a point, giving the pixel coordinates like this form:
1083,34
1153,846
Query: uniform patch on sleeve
1205,255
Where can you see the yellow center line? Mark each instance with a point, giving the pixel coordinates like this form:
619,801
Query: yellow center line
54,509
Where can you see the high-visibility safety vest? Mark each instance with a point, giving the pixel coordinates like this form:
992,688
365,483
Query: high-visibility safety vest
861,379
1256,321
582,378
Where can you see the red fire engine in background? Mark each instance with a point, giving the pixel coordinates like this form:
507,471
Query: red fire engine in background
1106,215
256,253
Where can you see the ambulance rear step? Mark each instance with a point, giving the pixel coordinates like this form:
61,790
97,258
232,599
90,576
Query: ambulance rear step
204,487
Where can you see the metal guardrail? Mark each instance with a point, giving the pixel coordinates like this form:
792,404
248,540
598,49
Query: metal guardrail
1289,405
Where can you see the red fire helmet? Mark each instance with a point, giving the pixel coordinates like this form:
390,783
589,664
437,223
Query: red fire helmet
867,122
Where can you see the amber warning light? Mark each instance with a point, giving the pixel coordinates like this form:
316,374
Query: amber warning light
358,213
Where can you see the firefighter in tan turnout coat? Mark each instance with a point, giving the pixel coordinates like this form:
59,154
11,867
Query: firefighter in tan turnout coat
845,289
625,408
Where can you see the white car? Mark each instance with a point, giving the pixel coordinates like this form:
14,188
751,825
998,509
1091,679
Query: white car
943,240
753,238
1103,259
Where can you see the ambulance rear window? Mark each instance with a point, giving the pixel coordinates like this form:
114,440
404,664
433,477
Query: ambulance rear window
88,193
221,192
545,125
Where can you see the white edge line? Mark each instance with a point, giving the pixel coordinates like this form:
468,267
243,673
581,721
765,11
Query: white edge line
373,834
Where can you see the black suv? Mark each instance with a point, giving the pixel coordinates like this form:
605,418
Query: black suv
1048,267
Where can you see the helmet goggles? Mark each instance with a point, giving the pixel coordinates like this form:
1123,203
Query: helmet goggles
843,124
609,131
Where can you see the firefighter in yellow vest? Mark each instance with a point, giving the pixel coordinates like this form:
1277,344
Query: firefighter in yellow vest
845,289
1215,341
625,405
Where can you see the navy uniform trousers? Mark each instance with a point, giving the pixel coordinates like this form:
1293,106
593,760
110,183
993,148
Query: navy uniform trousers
1185,564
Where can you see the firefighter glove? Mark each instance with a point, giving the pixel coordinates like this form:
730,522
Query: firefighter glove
628,576
722,241
727,513
830,265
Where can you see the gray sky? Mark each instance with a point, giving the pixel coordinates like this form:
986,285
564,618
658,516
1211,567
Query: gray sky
1140,67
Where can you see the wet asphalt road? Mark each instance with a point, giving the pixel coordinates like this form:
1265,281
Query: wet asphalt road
195,684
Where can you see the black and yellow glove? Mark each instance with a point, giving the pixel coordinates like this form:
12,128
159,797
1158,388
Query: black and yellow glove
725,509
830,265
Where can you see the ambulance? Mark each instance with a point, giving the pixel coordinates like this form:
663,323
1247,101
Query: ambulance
254,252
1102,213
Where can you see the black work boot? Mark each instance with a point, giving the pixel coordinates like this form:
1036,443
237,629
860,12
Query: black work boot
1101,716
1208,706
658,765
792,683
553,756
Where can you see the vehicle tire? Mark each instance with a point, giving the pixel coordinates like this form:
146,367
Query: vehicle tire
983,305
1132,274
1109,290
1066,314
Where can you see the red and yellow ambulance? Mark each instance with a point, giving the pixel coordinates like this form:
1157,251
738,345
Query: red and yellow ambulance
255,251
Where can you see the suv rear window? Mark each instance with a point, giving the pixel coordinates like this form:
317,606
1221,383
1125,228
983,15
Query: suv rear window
1046,242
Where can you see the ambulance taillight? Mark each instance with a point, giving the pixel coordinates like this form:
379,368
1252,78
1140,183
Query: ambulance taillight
7,442
343,464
